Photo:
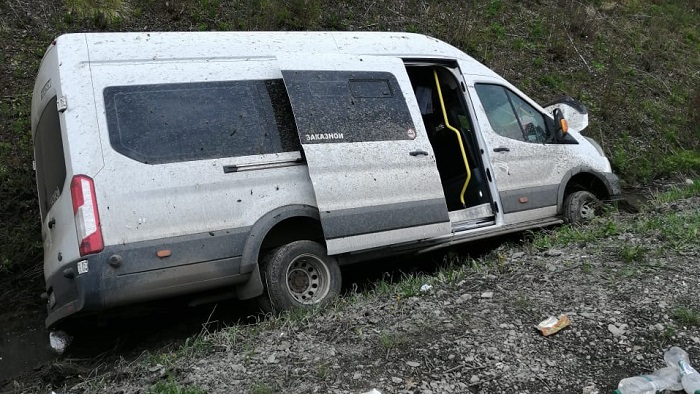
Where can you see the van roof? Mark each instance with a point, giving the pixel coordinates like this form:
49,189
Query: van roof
155,46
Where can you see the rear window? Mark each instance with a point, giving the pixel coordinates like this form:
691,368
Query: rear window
166,123
48,154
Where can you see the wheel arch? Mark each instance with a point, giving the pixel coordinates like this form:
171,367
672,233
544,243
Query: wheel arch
583,178
277,227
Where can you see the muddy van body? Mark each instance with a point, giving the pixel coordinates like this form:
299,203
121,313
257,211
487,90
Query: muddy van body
172,164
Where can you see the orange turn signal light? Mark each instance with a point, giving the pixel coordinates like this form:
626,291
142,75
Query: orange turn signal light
564,126
163,253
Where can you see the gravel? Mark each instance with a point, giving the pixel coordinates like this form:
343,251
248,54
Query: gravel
472,332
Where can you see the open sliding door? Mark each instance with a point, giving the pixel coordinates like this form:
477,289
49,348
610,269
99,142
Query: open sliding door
371,164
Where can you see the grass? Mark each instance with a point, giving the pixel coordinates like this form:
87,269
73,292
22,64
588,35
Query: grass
668,334
323,371
389,341
192,347
678,192
196,345
165,359
405,286
453,275
602,227
169,386
523,303
632,253
20,236
261,388
103,12
249,351
647,122
679,231
686,316
586,267
234,334
627,271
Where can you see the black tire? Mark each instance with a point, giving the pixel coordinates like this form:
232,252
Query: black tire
581,207
299,274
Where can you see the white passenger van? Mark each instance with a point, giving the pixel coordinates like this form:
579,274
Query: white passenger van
173,164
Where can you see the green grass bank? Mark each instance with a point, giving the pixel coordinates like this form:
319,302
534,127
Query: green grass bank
634,63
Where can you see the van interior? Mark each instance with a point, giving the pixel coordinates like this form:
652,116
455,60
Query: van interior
451,133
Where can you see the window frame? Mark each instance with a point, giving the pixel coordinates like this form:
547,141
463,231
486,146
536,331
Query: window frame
51,176
546,120
357,116
271,115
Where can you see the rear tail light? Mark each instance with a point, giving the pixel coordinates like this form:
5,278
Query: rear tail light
87,218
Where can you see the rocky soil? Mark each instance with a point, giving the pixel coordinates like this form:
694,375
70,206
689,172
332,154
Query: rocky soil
628,283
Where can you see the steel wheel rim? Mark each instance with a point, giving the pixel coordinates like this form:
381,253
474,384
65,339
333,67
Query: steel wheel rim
588,210
308,279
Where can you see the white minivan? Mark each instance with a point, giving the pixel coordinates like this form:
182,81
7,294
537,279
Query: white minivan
175,164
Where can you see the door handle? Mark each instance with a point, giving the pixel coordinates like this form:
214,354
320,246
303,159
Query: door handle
501,149
419,153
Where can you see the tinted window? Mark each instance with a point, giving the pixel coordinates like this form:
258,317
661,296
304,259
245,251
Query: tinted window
48,153
284,117
510,116
348,106
370,88
193,121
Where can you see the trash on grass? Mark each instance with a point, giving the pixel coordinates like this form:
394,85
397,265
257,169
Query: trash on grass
553,324
59,341
425,288
375,391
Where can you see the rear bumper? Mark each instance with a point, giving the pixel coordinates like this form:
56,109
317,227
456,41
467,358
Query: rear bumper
136,274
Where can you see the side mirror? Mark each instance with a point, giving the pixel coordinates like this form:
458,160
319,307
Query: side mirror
575,113
561,127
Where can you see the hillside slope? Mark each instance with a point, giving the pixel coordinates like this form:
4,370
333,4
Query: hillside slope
633,63
625,281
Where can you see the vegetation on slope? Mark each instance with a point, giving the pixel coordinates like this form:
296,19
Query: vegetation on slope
634,63
628,272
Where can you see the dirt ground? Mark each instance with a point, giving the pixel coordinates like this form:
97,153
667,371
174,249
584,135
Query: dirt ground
627,283
628,288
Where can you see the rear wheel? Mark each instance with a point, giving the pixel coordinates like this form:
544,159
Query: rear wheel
581,207
299,275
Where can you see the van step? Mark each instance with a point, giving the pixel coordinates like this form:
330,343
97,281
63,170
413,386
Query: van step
470,214
470,236
472,224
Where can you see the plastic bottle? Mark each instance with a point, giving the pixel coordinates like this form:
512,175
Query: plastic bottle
661,379
690,378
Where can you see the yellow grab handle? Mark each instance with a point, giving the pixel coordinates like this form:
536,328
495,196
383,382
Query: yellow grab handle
459,138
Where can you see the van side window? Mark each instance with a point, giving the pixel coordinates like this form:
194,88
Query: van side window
366,106
284,117
510,116
165,123
50,161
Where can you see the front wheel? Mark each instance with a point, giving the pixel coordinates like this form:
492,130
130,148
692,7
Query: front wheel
299,274
581,207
